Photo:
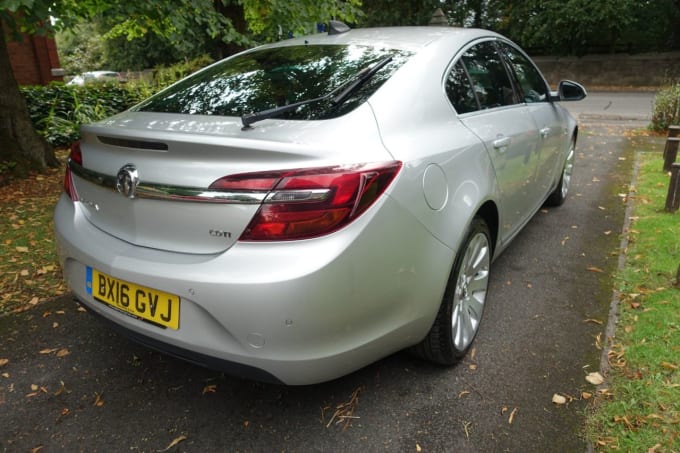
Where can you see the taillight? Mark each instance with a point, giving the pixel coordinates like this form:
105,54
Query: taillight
76,155
307,203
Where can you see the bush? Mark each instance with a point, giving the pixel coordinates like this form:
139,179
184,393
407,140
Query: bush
58,110
165,76
666,111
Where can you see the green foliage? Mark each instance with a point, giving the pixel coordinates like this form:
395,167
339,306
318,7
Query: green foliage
81,49
666,111
272,19
165,76
560,27
382,13
58,110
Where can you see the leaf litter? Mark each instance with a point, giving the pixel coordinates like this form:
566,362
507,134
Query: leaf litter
29,268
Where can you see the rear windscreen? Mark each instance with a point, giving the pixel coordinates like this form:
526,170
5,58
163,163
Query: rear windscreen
266,78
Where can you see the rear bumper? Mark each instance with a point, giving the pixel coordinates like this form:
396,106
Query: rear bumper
293,312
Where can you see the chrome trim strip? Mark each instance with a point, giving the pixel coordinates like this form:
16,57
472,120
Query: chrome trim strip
166,192
297,196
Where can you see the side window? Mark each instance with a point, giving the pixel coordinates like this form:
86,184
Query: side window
460,91
490,79
533,86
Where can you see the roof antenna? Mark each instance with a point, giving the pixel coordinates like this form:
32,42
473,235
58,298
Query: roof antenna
335,27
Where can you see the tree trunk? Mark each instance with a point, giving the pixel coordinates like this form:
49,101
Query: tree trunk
20,144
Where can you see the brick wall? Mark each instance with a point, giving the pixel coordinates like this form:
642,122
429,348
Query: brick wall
33,59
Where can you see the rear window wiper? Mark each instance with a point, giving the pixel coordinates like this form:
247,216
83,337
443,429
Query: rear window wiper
337,96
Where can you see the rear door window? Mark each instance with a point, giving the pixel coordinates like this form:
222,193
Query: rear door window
531,82
460,91
490,80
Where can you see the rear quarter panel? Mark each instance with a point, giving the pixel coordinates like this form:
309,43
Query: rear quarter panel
419,126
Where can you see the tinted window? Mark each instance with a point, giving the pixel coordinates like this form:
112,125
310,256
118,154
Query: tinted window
533,86
267,78
490,80
460,91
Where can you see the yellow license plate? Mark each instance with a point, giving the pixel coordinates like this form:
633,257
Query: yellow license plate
149,304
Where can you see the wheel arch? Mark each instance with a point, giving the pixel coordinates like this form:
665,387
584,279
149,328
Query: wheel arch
489,213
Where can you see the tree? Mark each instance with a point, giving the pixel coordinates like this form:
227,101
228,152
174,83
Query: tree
19,142
180,21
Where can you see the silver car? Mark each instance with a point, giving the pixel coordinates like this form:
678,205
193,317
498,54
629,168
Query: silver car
302,209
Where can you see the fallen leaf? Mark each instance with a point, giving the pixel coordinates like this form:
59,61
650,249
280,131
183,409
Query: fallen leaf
595,378
55,325
418,448
21,249
654,448
594,321
512,416
246,424
669,366
586,395
98,400
4,362
5,375
61,390
23,272
63,352
211,388
48,351
559,399
34,387
37,449
594,269
175,441
463,393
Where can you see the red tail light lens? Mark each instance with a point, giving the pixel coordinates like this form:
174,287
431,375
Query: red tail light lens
307,203
76,156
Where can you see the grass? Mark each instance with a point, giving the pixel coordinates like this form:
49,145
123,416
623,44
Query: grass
640,409
29,269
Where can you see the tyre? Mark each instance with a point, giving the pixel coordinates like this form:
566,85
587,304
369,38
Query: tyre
559,195
461,309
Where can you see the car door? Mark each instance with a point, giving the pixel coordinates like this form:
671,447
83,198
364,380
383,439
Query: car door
493,111
535,94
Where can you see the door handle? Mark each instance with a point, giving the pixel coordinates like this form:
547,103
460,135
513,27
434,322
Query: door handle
502,143
545,132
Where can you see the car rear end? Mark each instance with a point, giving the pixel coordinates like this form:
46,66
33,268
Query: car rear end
274,252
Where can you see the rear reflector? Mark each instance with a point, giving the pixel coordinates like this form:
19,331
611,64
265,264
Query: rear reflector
311,202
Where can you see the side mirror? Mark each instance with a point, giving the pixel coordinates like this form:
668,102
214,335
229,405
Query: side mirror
569,91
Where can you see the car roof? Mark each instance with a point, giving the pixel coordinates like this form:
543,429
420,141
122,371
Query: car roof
405,38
